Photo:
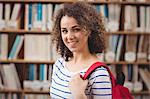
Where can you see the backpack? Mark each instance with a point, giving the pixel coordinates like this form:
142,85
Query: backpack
118,90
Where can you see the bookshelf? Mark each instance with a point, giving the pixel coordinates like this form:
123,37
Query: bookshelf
22,64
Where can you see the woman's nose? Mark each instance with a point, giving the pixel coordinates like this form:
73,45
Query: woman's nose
70,35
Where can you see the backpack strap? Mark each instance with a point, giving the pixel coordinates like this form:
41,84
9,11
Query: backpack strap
96,65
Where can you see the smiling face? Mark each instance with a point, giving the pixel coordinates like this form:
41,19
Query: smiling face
73,36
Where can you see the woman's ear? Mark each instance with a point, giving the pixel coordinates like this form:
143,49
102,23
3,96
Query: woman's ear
88,33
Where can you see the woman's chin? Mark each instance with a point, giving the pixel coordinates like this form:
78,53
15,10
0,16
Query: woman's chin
73,50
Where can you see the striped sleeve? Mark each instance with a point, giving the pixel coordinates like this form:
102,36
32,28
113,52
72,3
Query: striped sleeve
60,79
101,84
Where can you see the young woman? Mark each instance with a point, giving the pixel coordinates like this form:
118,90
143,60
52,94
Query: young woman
78,33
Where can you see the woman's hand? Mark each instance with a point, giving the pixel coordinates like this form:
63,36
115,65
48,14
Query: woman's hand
77,87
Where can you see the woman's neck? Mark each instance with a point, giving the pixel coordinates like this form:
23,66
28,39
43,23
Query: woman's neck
80,62
82,57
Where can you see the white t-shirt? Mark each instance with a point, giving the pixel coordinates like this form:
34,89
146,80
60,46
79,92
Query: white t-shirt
99,84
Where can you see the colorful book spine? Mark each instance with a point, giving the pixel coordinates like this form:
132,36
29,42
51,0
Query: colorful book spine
30,17
16,47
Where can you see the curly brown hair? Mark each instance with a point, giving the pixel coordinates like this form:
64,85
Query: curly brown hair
86,16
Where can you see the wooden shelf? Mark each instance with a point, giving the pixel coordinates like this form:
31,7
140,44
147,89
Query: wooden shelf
127,33
10,91
124,62
22,61
141,93
121,3
47,92
23,91
63,1
35,92
21,31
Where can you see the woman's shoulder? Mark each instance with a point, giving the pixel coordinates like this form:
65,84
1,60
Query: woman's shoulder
100,74
59,60
101,70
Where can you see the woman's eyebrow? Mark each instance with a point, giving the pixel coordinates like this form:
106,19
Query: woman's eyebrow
76,26
71,27
63,28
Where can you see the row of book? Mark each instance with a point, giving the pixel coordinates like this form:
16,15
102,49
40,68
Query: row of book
11,77
32,78
137,18
38,78
10,16
136,76
130,48
36,47
40,16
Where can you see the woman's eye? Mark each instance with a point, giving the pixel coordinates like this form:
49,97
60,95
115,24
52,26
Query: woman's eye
63,31
76,29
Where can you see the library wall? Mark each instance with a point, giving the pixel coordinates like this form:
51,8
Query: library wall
27,52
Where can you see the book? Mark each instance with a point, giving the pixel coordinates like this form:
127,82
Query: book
9,73
2,21
127,23
119,48
137,85
1,83
134,19
30,23
148,54
32,75
7,15
147,19
131,46
16,47
37,16
37,47
114,17
111,43
56,8
127,69
1,11
142,48
3,46
145,77
44,16
142,18
49,16
13,23
15,12
43,72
